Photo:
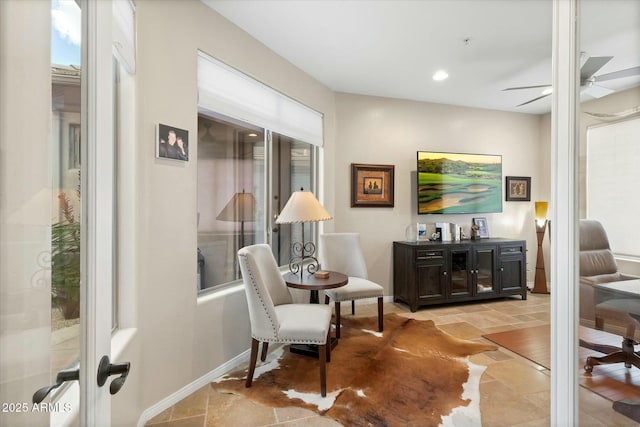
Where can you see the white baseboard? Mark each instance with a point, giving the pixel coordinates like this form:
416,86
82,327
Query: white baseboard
191,388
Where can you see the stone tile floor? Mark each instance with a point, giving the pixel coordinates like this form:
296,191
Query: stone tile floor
515,392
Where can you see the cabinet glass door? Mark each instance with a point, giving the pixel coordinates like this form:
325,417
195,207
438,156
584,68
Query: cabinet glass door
484,270
460,277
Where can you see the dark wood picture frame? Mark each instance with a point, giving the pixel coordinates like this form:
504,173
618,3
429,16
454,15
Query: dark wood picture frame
518,189
372,185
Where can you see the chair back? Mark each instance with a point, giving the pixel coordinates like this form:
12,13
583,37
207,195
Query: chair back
596,257
342,252
265,288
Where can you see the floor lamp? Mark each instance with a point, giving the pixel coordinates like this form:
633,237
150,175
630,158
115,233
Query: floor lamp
540,282
303,207
241,208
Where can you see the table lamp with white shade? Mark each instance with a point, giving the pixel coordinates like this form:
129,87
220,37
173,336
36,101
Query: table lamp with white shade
303,207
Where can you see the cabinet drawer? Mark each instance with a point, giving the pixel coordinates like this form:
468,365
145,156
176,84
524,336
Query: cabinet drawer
511,250
424,254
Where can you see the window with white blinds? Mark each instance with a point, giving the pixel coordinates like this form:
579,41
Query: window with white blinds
225,90
613,181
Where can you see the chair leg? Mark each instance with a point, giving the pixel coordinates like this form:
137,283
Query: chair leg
337,319
380,315
322,353
265,348
326,299
328,346
252,363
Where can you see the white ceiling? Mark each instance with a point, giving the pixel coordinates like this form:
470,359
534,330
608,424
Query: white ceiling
392,48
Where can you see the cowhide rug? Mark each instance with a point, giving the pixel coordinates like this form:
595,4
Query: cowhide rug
412,374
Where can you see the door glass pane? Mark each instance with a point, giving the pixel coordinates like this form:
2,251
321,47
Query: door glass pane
231,171
291,170
39,209
66,143
459,275
484,267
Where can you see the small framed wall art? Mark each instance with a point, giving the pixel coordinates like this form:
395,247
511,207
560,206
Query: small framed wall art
371,185
518,189
172,143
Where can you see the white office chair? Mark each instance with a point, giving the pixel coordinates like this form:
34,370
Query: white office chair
341,252
273,316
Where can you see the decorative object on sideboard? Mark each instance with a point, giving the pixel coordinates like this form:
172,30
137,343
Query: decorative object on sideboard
482,231
303,207
540,281
372,185
518,189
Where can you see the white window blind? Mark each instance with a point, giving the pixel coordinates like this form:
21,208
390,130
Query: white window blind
224,90
613,181
124,33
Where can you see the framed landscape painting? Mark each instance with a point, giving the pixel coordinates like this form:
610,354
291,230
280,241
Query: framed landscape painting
459,183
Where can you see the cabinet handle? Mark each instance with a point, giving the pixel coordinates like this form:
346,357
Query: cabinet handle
501,268
444,273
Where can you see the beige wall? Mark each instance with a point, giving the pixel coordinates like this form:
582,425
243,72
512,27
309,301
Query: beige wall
391,131
183,337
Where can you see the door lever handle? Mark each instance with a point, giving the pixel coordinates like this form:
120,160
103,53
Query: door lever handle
62,377
106,369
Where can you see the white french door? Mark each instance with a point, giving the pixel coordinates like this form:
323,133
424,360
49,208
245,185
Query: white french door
42,146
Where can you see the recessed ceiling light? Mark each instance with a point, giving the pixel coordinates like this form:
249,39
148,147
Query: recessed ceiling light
547,91
440,75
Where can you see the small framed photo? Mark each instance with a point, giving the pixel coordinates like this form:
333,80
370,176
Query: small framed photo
422,232
518,189
172,143
482,227
371,185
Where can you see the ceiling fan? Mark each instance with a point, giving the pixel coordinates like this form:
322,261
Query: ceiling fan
588,79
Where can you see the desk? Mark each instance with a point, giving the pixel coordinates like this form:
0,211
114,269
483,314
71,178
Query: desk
622,297
313,284
626,288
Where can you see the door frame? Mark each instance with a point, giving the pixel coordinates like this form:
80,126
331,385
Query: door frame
97,182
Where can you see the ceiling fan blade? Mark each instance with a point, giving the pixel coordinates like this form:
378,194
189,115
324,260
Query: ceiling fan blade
596,91
629,72
534,99
592,66
526,87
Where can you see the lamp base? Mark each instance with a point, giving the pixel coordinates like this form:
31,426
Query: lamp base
540,281
303,255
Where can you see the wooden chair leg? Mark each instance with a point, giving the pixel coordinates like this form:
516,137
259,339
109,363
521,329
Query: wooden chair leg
322,354
380,315
265,348
353,307
337,319
252,362
326,299
328,346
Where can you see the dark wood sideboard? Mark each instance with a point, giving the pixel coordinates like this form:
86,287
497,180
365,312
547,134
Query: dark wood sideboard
430,272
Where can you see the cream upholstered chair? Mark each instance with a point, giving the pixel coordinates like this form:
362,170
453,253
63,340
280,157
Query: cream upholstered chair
341,252
597,265
273,315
